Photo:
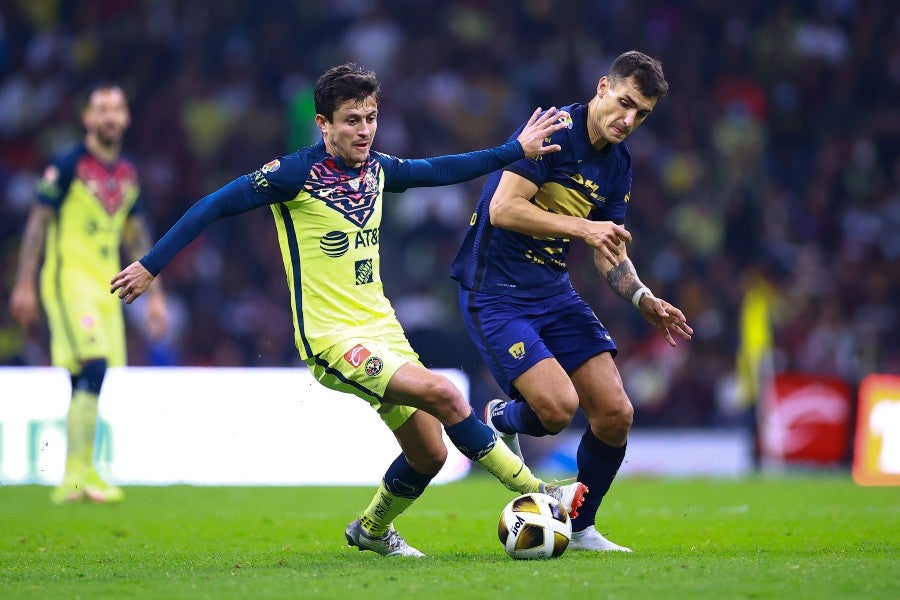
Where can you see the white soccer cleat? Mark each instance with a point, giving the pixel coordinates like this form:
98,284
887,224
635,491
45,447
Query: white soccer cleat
390,544
510,439
570,496
591,539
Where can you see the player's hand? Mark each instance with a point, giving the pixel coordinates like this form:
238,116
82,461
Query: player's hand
131,282
157,315
666,318
23,304
606,238
539,128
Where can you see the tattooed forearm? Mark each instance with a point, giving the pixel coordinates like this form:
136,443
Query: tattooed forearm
623,279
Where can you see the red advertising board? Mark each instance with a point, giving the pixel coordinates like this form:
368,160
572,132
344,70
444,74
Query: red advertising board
805,419
876,456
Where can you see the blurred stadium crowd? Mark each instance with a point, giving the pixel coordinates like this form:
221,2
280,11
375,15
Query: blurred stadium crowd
775,158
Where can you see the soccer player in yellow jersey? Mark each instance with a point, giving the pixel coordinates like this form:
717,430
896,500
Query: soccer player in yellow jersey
88,206
327,203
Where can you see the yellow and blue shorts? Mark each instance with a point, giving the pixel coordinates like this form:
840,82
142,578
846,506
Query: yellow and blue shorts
363,366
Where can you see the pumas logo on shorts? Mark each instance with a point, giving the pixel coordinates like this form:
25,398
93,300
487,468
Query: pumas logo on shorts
374,366
356,355
517,350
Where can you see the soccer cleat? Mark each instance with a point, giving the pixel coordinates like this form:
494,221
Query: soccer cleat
390,544
591,539
67,492
570,496
97,490
510,439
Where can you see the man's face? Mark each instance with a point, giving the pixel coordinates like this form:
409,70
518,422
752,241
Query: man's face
106,116
620,109
350,133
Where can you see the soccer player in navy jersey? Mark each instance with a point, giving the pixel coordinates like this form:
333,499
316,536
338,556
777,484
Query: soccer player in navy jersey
542,342
89,204
327,204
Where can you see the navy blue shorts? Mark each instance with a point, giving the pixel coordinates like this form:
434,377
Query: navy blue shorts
513,334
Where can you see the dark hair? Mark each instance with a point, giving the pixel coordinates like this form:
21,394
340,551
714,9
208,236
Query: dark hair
344,82
647,72
97,86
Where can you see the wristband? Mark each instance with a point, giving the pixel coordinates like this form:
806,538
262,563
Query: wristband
636,299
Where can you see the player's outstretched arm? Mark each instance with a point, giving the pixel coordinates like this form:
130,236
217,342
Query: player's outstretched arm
134,280
457,168
131,282
539,128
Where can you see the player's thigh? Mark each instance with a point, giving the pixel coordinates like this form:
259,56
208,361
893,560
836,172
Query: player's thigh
414,385
85,327
363,367
421,440
574,334
506,331
548,389
601,394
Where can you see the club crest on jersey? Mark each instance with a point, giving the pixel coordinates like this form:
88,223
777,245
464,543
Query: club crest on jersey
49,183
356,355
352,196
517,350
374,366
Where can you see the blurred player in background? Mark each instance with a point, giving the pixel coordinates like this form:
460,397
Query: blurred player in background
326,200
88,206
542,342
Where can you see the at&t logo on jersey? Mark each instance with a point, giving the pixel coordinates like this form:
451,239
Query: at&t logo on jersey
334,244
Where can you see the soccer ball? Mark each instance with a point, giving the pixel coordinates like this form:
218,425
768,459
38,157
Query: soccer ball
534,526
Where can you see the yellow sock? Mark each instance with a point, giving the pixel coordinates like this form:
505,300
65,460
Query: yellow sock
505,465
382,510
81,428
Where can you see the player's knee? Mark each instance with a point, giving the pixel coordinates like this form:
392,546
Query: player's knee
615,422
556,412
445,399
91,377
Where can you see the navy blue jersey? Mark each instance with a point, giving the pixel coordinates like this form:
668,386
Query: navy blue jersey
577,181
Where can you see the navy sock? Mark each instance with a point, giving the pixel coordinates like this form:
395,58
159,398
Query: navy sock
598,464
403,481
472,437
519,417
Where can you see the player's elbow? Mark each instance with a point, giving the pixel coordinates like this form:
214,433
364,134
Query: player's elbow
500,212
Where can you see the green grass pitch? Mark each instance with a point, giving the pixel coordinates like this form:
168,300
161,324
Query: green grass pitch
796,537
